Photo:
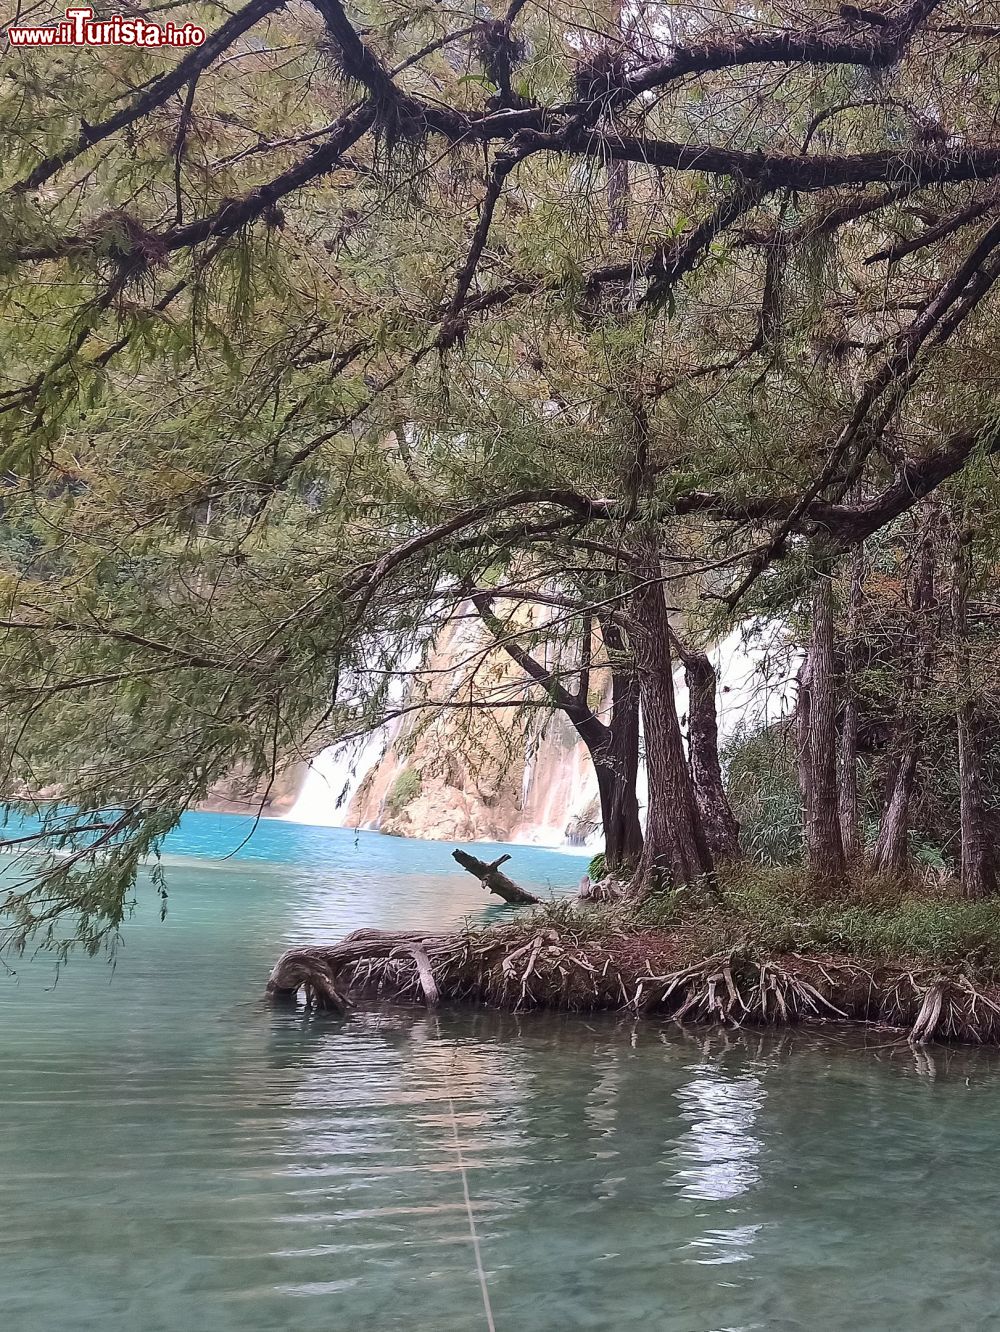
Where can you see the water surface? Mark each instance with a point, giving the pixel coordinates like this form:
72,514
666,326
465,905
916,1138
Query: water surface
177,1157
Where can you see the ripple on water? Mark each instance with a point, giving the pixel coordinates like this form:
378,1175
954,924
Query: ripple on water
173,1153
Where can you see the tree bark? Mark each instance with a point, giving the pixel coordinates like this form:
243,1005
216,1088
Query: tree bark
676,848
824,846
850,831
891,850
979,861
803,711
722,829
619,803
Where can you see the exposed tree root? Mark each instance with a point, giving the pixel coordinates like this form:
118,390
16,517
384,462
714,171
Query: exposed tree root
526,965
608,889
308,971
324,975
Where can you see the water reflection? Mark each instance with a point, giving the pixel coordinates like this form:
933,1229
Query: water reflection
719,1144
175,1152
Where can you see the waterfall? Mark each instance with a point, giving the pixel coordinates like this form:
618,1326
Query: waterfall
334,777
332,780
559,792
558,805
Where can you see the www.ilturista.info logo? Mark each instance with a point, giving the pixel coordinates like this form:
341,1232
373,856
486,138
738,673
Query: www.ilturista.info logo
80,28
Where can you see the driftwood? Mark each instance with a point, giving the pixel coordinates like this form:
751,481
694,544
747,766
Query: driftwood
308,970
490,877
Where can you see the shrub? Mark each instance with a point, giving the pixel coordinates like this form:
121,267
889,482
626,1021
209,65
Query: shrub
764,792
598,868
405,788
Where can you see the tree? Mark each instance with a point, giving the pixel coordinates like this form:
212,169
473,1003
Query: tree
613,745
217,545
722,829
978,853
847,759
824,843
890,853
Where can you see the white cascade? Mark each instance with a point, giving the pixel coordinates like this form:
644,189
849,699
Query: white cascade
567,797
755,666
332,780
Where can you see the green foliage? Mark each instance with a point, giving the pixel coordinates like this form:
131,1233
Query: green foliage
763,789
774,911
869,919
252,461
404,789
597,867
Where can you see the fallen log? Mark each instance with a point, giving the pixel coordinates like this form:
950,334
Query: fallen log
490,877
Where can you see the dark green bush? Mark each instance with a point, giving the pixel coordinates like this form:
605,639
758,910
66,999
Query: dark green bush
597,868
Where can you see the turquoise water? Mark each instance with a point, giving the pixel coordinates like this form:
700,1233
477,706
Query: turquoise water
177,1157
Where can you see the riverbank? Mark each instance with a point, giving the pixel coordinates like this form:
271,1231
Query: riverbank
925,964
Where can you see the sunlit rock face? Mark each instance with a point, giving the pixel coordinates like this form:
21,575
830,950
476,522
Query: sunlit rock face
235,795
505,773
500,773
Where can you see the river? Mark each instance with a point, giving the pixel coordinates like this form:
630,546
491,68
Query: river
177,1157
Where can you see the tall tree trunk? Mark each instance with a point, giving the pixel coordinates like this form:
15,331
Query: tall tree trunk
619,192
824,846
891,850
676,848
979,862
622,826
613,748
722,829
850,832
803,717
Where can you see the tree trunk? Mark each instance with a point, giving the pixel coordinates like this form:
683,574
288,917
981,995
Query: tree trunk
619,193
721,826
613,748
891,851
618,766
979,866
676,849
619,817
850,832
803,710
824,846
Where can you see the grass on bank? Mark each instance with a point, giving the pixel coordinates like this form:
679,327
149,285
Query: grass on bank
775,911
